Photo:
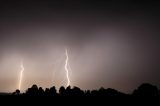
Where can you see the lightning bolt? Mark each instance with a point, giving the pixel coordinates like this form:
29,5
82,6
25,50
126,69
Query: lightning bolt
66,68
21,75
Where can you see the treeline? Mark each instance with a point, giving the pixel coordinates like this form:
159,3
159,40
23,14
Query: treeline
145,89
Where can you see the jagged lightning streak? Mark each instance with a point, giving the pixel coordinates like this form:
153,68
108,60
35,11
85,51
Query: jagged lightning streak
21,75
66,68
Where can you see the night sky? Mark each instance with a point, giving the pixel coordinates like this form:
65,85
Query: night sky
114,44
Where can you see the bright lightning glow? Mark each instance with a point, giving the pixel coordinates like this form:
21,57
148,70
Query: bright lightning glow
21,75
66,68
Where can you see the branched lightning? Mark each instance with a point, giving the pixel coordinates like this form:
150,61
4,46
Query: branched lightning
21,75
66,68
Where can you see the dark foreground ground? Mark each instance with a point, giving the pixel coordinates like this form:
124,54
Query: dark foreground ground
99,101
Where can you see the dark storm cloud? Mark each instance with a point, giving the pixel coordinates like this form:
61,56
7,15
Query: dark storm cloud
111,44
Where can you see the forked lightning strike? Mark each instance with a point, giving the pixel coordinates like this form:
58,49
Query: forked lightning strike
21,75
66,68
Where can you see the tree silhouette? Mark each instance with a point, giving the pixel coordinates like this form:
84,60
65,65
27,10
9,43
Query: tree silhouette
146,89
17,92
77,91
41,91
62,90
47,91
68,91
53,91
33,91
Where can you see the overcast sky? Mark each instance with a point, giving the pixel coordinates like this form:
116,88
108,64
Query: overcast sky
109,44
